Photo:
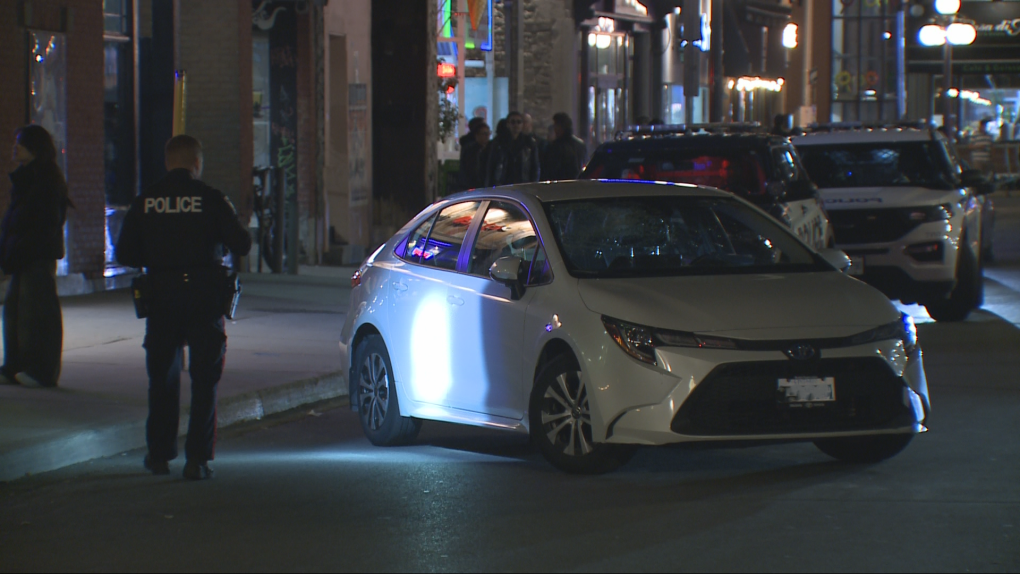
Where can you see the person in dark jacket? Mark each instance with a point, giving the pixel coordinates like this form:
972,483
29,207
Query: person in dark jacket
514,155
566,155
31,243
176,230
472,170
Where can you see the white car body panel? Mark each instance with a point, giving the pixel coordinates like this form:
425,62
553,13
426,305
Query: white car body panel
463,351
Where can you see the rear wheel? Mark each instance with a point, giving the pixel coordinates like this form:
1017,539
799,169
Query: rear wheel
560,416
864,449
967,294
378,406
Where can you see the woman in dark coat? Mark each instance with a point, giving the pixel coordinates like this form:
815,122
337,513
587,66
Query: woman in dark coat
31,243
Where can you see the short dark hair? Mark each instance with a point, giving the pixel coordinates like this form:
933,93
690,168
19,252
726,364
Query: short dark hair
183,149
37,141
474,123
562,120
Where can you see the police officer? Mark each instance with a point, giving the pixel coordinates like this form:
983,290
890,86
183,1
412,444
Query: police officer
177,230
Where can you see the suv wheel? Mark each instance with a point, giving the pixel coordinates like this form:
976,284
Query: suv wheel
864,449
560,419
378,407
968,293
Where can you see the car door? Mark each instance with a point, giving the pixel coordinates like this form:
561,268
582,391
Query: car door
488,320
422,341
802,209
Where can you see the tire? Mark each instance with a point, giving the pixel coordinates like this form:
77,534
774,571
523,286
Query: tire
967,294
378,406
864,449
561,422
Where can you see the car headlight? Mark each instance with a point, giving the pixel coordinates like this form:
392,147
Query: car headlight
930,213
902,329
640,342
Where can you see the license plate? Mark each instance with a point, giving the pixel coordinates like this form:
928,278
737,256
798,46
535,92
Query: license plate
801,390
856,266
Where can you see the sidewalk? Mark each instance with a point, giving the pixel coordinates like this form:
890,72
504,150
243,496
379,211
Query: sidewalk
282,353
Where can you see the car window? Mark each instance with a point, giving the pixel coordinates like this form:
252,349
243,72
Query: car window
878,164
669,235
447,235
785,163
738,171
506,231
540,272
414,248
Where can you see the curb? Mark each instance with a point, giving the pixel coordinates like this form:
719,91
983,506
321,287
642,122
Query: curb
114,439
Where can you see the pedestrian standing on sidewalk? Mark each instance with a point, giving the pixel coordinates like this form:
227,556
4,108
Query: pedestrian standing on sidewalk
566,155
31,243
513,157
176,230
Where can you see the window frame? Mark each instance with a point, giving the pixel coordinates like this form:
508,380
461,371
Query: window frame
531,263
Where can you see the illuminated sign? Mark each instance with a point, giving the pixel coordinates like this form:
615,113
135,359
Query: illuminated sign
447,70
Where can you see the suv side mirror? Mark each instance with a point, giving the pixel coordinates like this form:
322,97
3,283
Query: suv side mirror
836,258
973,178
801,189
507,270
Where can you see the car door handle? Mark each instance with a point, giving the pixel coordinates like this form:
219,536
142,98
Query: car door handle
454,300
399,286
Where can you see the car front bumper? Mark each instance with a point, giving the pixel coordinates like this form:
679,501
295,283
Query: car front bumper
879,390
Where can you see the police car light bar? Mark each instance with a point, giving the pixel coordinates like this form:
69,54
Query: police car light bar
842,126
673,129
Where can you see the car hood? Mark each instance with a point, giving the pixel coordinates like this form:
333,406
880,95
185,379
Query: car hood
767,306
882,197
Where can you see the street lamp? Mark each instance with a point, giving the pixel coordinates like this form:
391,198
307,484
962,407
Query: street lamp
947,32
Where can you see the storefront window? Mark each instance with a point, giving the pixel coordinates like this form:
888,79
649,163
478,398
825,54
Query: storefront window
48,95
609,78
864,61
120,148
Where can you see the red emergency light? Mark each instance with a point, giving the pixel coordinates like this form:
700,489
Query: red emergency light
447,70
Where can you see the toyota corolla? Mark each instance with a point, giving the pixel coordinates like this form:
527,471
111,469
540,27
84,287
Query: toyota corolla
598,316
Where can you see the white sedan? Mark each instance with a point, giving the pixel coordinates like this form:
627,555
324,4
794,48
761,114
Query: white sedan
598,316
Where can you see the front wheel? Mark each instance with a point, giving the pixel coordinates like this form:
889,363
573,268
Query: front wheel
560,416
378,407
967,294
864,449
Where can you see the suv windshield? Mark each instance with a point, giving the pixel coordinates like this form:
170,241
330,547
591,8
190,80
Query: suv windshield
878,164
671,235
737,171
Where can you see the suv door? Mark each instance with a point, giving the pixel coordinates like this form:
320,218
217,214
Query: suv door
801,208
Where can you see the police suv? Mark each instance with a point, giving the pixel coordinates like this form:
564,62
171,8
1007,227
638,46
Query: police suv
740,158
904,210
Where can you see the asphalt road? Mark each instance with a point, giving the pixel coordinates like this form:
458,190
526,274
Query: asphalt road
306,492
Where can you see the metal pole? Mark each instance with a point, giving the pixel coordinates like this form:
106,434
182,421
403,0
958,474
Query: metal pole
279,220
717,109
947,83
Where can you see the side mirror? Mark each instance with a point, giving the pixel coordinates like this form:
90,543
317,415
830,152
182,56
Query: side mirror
836,258
973,178
507,270
800,190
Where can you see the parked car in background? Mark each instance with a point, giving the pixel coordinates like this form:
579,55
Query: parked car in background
740,158
600,316
905,211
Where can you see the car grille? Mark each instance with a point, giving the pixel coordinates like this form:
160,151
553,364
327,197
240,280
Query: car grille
742,399
869,225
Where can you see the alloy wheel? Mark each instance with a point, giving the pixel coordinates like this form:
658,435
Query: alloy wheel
374,395
566,416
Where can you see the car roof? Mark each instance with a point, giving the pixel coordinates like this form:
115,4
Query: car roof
549,191
864,135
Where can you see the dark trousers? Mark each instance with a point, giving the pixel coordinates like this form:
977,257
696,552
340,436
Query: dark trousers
33,326
183,313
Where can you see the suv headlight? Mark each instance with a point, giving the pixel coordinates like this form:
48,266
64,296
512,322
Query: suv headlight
640,342
930,213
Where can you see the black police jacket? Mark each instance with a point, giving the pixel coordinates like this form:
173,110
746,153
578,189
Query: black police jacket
180,224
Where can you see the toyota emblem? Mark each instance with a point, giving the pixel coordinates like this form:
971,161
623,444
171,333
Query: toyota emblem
801,352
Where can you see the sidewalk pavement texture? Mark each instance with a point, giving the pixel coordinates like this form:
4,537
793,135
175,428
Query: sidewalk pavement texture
281,354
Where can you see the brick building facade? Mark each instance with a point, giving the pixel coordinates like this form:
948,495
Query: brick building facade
80,24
